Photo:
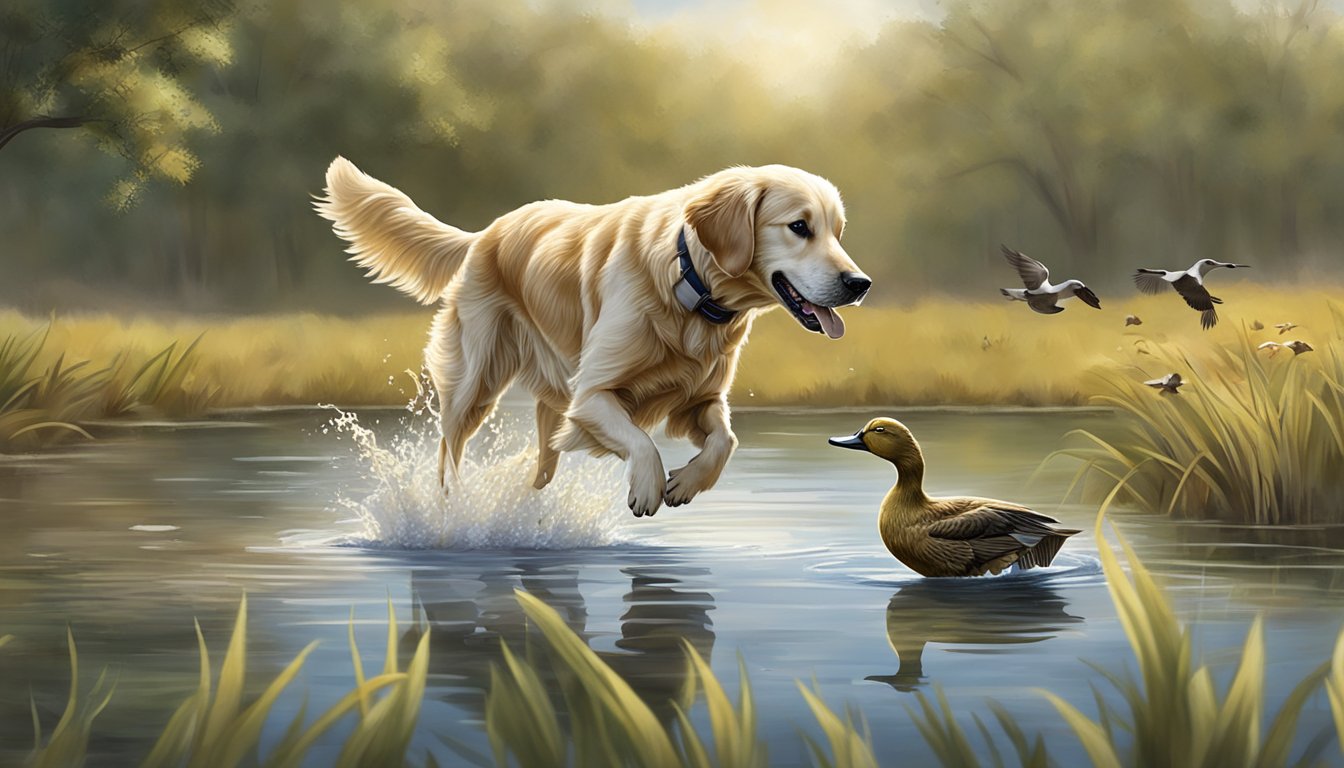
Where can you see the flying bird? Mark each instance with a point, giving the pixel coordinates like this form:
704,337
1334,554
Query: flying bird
1256,325
1297,346
1167,385
1039,294
1190,284
1132,320
1285,327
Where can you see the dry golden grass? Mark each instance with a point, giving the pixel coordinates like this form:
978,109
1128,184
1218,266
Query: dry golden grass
932,353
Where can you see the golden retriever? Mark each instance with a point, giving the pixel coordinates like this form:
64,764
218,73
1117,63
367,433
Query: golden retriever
588,307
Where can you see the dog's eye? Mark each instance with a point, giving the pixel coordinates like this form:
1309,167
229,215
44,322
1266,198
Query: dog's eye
800,229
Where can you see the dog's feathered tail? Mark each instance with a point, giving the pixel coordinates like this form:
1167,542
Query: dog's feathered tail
396,242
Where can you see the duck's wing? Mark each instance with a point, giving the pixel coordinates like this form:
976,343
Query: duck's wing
1086,296
994,529
1032,272
1045,303
1198,297
1150,282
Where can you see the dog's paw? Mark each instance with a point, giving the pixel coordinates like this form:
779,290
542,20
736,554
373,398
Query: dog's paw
684,483
646,492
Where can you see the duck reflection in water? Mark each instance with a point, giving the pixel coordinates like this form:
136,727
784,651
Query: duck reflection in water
472,615
997,611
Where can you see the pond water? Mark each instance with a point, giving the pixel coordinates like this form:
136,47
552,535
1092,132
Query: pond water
129,538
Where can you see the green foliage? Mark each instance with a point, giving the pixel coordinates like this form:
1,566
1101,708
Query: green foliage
850,747
562,705
69,740
1252,438
1083,133
115,71
945,736
1174,714
1334,686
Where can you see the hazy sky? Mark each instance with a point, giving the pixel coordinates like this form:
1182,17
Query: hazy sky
788,40
793,41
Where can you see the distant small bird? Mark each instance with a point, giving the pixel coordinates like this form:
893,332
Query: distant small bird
1190,284
1285,327
1039,294
1256,325
985,344
1132,320
1167,385
1297,346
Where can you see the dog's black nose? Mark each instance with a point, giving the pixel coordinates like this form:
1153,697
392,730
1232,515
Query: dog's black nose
857,282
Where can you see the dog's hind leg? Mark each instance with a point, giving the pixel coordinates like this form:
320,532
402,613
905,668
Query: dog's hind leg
471,366
548,422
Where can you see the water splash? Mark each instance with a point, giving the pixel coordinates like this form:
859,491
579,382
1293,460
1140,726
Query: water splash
491,505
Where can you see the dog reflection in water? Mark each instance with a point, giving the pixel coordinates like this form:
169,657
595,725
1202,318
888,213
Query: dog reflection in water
983,613
472,614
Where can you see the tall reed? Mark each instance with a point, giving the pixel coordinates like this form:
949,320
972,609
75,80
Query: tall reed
44,403
1250,438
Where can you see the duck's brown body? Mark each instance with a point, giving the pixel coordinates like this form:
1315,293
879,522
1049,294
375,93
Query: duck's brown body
955,536
966,536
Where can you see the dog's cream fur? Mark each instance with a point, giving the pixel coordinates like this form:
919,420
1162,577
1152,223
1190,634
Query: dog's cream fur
576,303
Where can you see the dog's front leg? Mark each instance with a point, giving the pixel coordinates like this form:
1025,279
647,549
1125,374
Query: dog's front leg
717,443
602,417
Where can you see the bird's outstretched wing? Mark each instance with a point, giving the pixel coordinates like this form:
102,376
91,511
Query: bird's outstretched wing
1045,304
1196,295
1148,282
1086,296
1032,272
1162,382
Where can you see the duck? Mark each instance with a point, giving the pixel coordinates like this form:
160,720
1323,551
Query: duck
1298,346
956,535
1039,294
1189,283
1167,385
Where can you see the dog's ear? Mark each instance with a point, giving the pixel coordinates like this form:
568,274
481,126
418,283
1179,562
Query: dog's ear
724,218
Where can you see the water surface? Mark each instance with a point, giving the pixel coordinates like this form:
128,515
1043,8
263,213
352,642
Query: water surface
129,538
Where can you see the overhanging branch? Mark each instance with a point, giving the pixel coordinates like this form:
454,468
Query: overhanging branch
44,121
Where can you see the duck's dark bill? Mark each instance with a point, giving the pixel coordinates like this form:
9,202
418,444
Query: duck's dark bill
854,441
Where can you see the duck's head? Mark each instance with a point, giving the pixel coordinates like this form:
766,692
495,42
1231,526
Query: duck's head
887,438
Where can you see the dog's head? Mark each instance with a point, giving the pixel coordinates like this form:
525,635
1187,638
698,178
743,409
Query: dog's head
774,232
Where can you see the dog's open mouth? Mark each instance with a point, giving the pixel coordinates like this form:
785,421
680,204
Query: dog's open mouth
814,318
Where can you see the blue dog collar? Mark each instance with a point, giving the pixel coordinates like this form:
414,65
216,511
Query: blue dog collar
692,292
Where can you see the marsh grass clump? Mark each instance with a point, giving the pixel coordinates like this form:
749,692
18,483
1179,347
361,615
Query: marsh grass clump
44,402
1252,438
1171,713
214,728
606,722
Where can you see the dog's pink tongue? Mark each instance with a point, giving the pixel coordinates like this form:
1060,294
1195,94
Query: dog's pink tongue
830,320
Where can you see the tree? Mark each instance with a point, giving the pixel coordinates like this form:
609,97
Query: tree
112,71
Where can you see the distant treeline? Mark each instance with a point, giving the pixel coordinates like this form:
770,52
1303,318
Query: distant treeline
1093,135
